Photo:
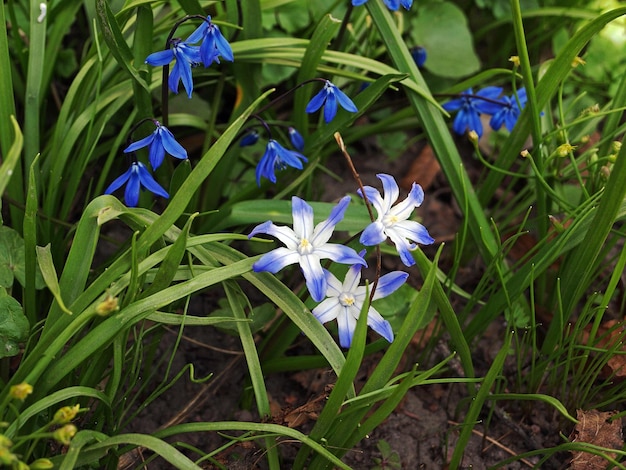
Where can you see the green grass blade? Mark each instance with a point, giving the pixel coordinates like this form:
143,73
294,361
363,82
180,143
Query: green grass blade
12,153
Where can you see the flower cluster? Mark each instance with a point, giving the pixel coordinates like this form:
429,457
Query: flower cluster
308,244
187,54
393,5
503,110
277,157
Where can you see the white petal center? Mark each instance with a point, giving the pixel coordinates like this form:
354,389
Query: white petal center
305,247
389,220
346,299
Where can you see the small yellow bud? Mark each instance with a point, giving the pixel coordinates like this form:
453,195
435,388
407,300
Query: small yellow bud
612,158
20,391
564,150
524,153
19,465
472,136
578,61
605,172
616,146
108,305
584,139
515,60
65,434
41,464
66,414
5,441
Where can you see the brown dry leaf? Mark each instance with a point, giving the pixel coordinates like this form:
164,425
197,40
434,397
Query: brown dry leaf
595,427
423,170
610,333
309,411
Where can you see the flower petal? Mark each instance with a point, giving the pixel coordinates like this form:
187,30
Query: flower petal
327,310
198,34
389,283
373,234
140,143
352,279
302,218
283,233
391,190
275,260
334,286
374,197
403,209
160,58
170,144
317,101
174,77
324,230
131,194
413,231
339,254
119,181
157,152
314,276
403,247
346,323
344,101
330,108
148,182
379,324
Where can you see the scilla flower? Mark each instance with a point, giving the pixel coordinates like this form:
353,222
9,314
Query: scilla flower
328,97
307,245
393,5
159,142
470,106
136,177
392,221
186,56
345,300
214,44
296,139
509,111
277,157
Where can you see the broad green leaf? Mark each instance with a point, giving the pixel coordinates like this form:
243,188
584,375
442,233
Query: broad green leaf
441,28
14,326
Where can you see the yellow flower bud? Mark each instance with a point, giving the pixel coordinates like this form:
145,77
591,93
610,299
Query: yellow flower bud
472,136
515,60
524,153
564,150
578,61
616,146
20,391
108,305
66,414
41,464
65,434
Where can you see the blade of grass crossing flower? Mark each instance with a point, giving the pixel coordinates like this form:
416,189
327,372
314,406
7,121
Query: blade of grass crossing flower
345,383
324,32
235,296
546,89
437,131
30,243
478,401
44,258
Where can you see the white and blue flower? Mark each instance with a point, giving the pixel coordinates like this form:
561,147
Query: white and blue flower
344,302
392,221
307,245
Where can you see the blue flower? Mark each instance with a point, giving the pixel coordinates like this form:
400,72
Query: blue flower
393,5
296,139
307,245
345,300
186,56
393,221
277,157
250,138
160,141
328,97
470,106
214,44
419,56
509,112
136,177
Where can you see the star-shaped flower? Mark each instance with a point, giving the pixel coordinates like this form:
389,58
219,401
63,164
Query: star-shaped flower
509,112
159,142
136,177
307,245
393,221
277,157
328,97
345,301
214,44
186,56
470,106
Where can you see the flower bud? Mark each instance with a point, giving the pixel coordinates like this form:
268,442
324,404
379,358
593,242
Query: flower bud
20,391
472,136
107,306
515,60
65,434
41,464
296,139
564,150
66,414
250,138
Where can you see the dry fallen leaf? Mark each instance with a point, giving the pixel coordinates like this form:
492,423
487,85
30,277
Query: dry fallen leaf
610,333
595,427
423,170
